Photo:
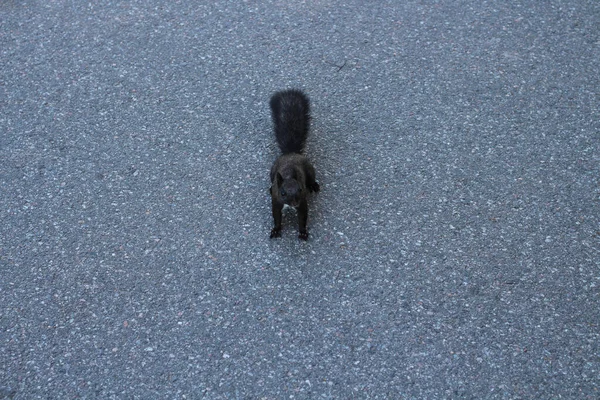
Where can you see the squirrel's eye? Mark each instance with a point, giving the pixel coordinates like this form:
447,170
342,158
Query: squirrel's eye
283,193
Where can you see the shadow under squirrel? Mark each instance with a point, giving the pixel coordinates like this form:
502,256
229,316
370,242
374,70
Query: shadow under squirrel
292,175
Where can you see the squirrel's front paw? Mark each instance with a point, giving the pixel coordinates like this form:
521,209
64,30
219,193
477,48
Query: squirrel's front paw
315,187
303,235
275,233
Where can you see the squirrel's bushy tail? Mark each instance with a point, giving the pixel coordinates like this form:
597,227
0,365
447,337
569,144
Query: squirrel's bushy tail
291,116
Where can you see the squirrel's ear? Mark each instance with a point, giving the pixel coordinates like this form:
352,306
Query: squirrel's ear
279,179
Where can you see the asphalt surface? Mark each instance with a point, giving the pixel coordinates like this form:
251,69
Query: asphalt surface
455,244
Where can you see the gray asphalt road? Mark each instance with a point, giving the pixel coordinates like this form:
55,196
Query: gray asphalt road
455,244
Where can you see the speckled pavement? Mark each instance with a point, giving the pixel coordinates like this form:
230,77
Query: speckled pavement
455,244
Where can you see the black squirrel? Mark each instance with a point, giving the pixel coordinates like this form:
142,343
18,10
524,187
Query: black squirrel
292,175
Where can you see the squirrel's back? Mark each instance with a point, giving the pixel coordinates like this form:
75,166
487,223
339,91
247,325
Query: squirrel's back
291,116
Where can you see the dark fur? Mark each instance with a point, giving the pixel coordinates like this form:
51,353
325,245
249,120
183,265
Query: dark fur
290,110
292,175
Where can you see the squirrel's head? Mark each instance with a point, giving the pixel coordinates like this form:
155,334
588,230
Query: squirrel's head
290,191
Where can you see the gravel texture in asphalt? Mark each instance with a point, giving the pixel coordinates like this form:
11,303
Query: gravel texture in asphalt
455,243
